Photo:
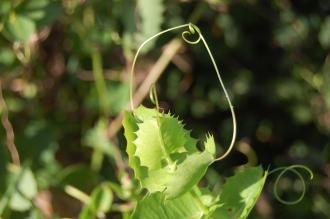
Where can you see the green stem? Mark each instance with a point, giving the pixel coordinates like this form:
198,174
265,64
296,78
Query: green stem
198,201
77,194
100,82
97,157
97,160
232,143
4,200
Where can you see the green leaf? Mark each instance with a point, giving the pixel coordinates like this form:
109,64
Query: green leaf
97,138
43,12
149,145
187,174
152,137
151,20
7,56
162,153
5,8
26,191
209,199
117,96
173,134
79,176
143,113
20,27
324,35
100,202
154,206
150,134
240,193
46,175
34,9
102,198
19,203
210,144
130,127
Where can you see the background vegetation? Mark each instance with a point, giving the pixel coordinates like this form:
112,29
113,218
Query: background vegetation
64,75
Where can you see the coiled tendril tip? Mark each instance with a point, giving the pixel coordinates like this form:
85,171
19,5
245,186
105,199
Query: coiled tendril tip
293,169
193,29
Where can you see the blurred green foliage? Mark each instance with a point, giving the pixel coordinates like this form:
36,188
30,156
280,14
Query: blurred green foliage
64,73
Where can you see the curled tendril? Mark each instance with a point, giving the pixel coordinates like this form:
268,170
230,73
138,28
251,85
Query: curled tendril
293,169
192,29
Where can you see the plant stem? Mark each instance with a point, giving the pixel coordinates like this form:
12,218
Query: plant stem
97,160
101,88
227,97
99,82
10,135
78,194
198,201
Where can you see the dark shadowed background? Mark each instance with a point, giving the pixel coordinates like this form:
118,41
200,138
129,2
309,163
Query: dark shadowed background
64,73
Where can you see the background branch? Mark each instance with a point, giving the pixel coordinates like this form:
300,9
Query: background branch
10,136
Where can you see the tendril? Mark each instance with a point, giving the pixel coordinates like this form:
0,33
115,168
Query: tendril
153,95
131,87
293,169
192,30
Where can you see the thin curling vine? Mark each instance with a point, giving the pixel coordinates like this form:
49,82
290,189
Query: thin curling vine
293,169
168,164
193,29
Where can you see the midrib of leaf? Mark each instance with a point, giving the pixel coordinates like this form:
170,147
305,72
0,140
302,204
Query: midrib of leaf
162,144
198,201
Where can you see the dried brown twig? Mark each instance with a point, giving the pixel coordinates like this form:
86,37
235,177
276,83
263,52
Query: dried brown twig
10,136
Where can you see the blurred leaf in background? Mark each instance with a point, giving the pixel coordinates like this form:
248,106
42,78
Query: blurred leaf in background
64,69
